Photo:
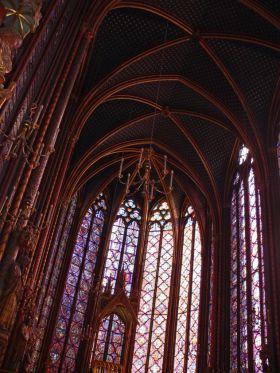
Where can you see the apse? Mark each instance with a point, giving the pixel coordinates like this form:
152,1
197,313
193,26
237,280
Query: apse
139,186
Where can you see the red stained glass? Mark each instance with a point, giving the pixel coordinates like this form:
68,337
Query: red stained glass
153,310
189,298
69,326
248,311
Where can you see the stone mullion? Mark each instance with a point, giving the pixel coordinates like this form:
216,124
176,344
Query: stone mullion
203,320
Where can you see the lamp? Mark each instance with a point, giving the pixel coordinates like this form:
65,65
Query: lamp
143,180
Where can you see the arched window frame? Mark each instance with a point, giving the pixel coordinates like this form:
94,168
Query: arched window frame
95,215
129,217
184,312
248,318
171,311
53,267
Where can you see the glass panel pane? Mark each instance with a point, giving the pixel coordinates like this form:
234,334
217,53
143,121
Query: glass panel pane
154,301
189,298
68,331
248,311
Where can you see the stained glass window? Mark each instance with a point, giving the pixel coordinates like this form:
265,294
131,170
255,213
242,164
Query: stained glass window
189,298
109,343
153,310
247,309
50,279
68,331
211,306
123,244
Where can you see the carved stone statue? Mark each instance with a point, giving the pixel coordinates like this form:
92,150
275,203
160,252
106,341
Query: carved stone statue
24,337
12,269
10,295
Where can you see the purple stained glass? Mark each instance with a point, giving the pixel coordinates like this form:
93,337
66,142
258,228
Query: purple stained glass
110,338
50,279
69,326
248,312
123,244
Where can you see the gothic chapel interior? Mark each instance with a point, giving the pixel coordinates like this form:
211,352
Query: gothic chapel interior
139,186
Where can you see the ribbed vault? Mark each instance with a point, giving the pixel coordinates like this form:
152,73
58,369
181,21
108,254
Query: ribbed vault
201,73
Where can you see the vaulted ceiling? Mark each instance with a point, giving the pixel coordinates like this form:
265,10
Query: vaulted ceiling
193,76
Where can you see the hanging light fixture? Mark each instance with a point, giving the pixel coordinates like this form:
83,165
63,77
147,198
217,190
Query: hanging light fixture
143,180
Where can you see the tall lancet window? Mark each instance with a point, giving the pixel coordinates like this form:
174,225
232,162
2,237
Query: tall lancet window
68,331
121,256
189,298
52,271
153,311
123,244
248,320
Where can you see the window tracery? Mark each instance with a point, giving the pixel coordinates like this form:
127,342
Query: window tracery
248,311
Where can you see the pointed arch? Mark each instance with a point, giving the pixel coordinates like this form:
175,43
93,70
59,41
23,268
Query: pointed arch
123,244
69,325
186,346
